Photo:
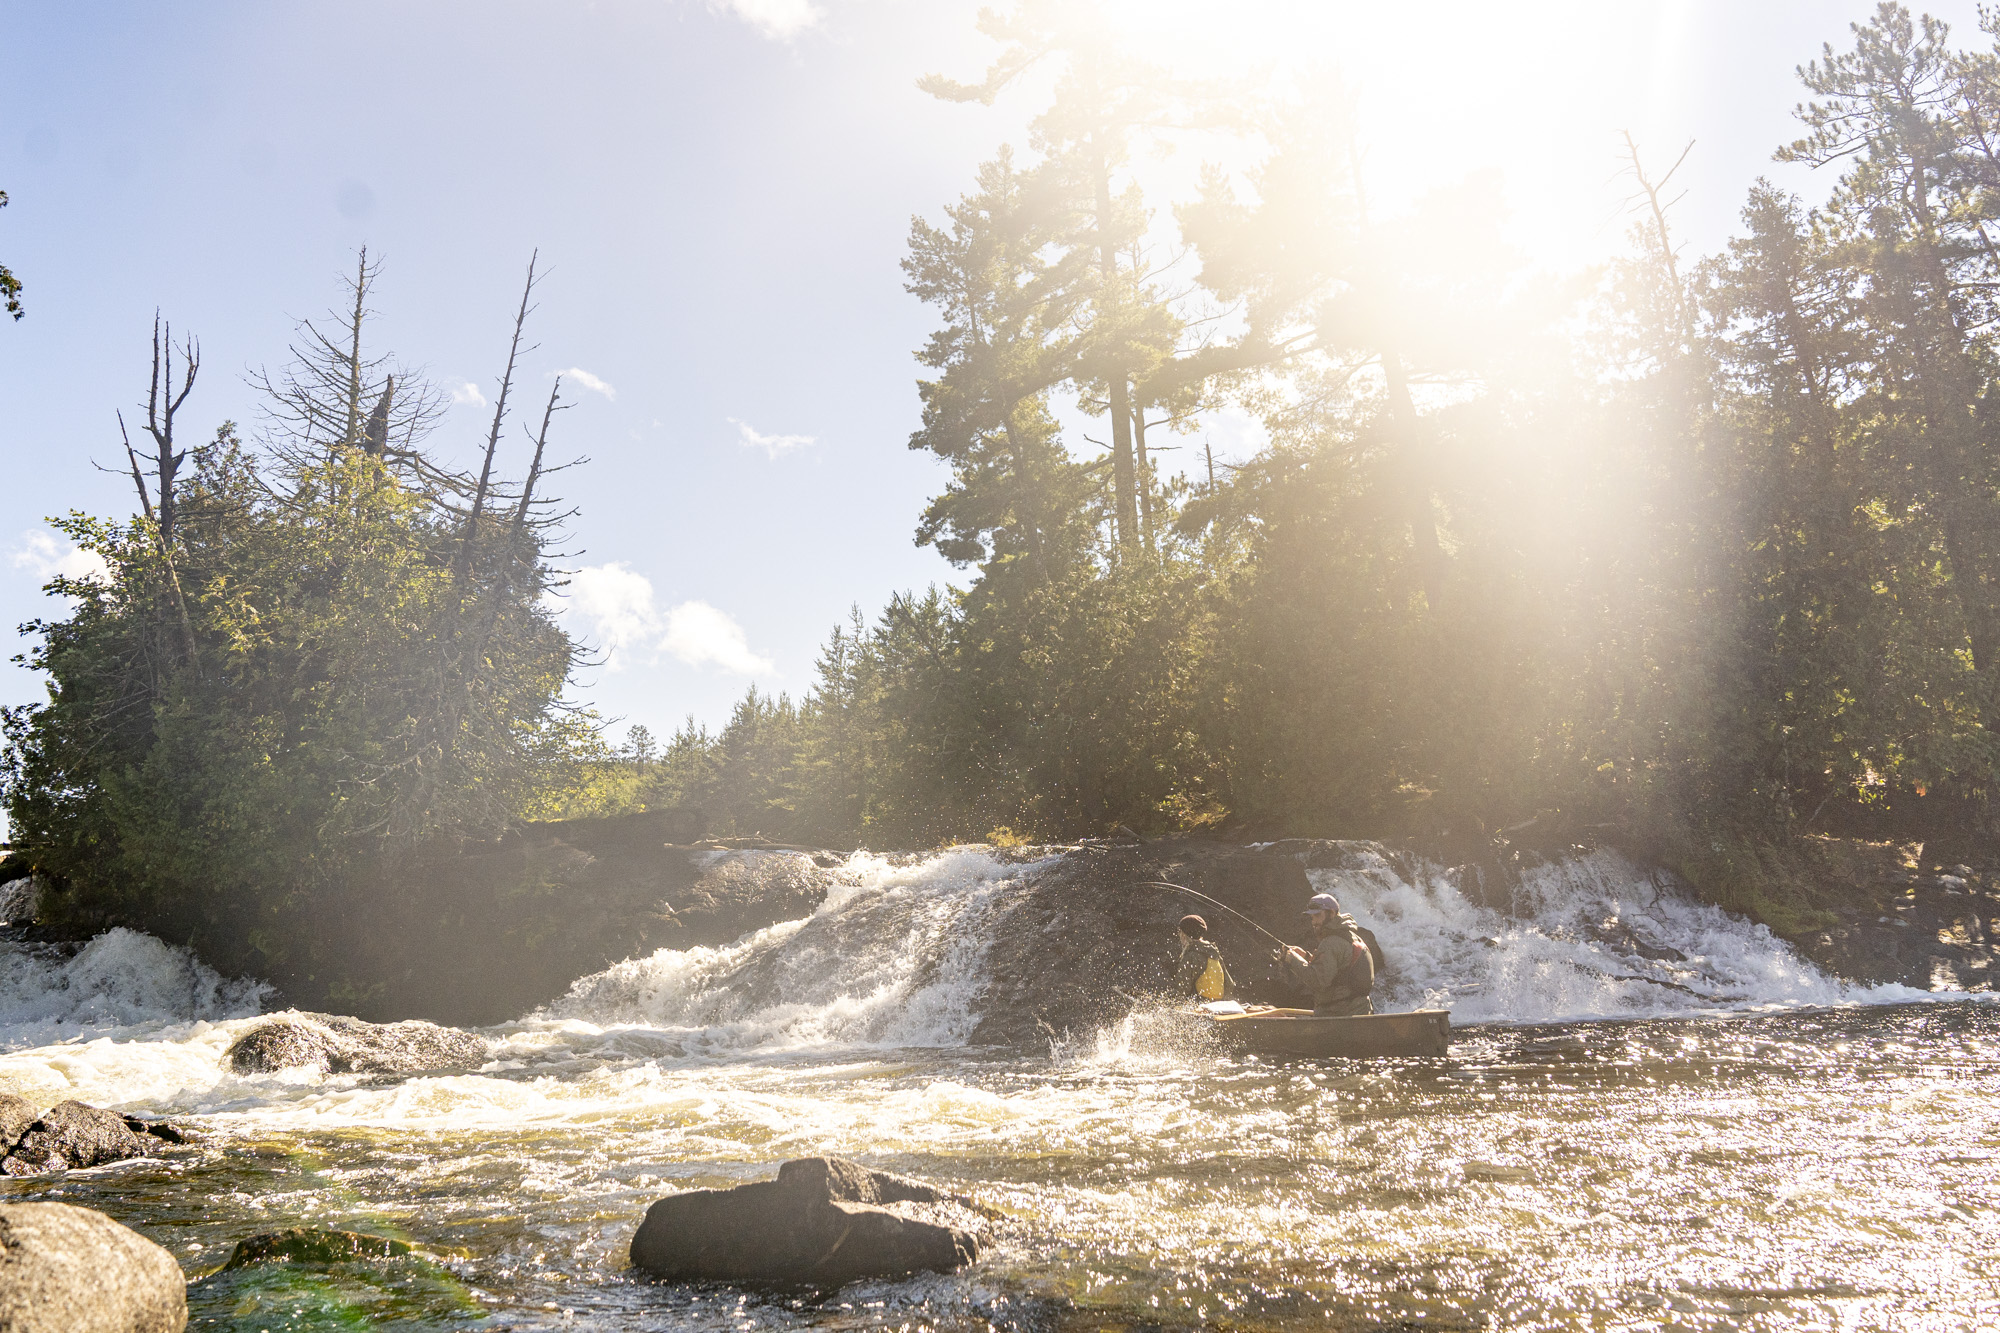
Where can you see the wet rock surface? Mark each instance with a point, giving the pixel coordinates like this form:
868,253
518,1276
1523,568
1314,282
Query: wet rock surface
65,1269
337,1045
72,1136
1077,943
312,1245
1915,915
824,1221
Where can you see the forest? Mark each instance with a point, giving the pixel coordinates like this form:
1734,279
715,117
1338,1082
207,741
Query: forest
1701,550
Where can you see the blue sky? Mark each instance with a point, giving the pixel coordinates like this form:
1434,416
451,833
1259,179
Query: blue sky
720,192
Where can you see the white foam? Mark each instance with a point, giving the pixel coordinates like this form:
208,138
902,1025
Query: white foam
1575,945
893,957
123,983
721,1046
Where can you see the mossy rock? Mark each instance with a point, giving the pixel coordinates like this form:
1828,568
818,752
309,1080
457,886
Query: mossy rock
313,1245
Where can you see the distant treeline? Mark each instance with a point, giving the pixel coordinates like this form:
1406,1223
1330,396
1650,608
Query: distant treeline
1707,549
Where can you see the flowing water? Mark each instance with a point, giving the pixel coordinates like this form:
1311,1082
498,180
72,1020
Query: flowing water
1658,1116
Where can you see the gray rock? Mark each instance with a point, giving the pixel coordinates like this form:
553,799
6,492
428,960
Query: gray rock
65,1269
16,1114
824,1221
72,1136
337,1045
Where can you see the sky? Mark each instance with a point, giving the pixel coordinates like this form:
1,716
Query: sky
720,192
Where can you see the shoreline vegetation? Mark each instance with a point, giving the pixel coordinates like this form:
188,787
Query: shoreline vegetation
1698,556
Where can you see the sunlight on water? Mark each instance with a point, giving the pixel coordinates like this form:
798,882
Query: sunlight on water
1722,1152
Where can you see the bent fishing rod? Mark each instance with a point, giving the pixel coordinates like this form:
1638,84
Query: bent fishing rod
1182,888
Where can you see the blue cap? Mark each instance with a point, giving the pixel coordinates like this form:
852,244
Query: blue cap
1322,902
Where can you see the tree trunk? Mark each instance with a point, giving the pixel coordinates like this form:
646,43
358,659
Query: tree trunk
1123,474
1415,479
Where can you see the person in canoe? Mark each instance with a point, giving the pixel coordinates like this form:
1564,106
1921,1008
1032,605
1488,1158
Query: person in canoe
1200,973
1340,970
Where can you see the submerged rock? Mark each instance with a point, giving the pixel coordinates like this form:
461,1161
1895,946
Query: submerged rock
71,1136
312,1245
823,1221
65,1269
337,1045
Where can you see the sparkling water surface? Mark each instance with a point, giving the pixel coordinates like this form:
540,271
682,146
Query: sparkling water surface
1754,1147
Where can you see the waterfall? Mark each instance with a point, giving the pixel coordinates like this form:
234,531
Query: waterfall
1592,935
894,956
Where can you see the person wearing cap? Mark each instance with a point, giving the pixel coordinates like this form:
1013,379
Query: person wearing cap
1200,973
1340,970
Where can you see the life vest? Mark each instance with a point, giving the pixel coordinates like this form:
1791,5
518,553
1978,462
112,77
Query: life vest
1212,981
1359,975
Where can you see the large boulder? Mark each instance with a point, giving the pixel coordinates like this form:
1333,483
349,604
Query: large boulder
336,1045
65,1269
72,1135
1075,942
824,1221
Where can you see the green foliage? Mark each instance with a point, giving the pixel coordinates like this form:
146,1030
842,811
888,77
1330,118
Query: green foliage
1720,576
260,726
10,286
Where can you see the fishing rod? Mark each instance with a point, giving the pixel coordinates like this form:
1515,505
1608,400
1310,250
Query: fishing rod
1182,888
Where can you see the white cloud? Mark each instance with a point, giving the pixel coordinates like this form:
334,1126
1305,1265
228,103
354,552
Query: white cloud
48,556
589,381
770,444
468,392
773,18
613,606
700,635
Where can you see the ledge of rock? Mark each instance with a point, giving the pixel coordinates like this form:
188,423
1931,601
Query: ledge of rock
65,1269
336,1045
824,1221
71,1136
312,1245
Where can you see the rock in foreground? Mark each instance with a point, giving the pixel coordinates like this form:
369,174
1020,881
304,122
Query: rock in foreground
824,1221
336,1045
65,1269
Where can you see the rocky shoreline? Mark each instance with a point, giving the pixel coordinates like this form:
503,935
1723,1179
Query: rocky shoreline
510,926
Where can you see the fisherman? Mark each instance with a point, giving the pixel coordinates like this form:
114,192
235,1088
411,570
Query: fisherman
1200,973
1340,970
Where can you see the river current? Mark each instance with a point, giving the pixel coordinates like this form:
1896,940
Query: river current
1653,1115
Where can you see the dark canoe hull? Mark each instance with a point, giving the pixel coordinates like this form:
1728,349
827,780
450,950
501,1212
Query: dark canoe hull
1302,1033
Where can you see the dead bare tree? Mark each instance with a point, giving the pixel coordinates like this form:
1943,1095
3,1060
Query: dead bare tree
318,402
462,565
163,405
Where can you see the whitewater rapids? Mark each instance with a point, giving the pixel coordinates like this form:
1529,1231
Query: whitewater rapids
1666,1109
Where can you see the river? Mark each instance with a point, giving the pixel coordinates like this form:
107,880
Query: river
1653,1115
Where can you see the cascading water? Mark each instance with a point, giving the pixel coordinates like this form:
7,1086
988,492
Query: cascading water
1589,936
892,957
1573,1174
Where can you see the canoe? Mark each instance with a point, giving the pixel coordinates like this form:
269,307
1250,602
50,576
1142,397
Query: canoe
1301,1032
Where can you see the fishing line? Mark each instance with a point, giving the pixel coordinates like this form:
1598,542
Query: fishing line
1182,888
